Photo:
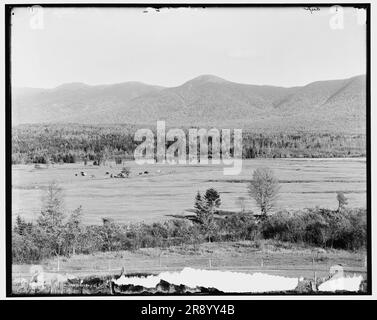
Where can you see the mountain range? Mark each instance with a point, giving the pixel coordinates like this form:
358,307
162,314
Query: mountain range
207,100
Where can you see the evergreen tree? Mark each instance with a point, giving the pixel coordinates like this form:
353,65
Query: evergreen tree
212,199
51,219
205,209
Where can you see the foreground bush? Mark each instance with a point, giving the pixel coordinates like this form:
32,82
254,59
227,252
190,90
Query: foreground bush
318,227
321,227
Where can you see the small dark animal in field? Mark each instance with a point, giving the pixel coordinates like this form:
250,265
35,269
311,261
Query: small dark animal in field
83,173
76,174
107,172
146,172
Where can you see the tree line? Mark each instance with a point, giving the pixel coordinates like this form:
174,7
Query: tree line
77,143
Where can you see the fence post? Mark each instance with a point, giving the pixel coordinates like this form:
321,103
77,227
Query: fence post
315,274
315,279
209,263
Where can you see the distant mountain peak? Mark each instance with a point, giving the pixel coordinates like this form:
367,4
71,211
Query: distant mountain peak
72,85
206,100
207,78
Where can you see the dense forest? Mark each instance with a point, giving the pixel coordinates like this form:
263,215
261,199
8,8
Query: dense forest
75,143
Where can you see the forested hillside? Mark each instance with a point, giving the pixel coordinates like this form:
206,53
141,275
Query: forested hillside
323,106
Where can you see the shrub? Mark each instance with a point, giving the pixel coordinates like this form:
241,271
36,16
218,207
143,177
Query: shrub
240,227
321,227
342,200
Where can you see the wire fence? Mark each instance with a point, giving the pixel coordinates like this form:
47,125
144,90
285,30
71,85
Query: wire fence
161,264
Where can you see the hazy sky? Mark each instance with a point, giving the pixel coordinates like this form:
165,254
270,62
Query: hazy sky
284,47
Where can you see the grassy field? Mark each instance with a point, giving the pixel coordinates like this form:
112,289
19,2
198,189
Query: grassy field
170,190
265,256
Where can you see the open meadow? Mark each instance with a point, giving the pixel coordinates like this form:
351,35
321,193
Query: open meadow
170,189
262,179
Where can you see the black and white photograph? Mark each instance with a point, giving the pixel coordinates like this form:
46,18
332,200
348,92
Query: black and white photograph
188,150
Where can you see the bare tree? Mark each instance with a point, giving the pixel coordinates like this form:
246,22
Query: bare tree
264,189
